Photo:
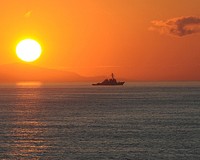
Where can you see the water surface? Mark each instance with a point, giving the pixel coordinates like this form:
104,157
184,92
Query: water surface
138,121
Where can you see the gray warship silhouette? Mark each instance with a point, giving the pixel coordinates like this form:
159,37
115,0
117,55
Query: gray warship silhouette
109,82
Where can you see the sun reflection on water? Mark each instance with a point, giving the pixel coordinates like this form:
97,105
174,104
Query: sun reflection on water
29,138
28,127
29,84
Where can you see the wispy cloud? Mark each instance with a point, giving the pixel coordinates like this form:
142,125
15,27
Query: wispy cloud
107,66
180,26
28,14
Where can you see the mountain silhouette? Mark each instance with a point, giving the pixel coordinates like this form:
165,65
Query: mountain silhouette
26,72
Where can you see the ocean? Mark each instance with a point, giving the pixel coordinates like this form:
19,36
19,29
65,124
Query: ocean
137,121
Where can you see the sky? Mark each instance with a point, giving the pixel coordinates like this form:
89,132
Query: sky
138,40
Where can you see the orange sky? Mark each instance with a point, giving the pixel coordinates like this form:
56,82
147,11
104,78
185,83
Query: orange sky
97,37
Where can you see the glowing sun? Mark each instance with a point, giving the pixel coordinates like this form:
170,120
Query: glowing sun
28,50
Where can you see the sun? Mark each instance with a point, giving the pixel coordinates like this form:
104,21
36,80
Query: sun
28,50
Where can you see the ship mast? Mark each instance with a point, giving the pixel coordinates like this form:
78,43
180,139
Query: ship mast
112,76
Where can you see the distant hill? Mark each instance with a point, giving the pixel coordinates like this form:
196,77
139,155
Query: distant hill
26,72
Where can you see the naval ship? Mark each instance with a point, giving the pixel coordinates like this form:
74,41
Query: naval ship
109,82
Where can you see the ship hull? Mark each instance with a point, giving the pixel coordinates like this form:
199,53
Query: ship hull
114,84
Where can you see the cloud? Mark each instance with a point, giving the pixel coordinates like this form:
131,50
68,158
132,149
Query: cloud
28,14
107,66
180,26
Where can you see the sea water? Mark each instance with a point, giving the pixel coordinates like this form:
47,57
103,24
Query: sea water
137,121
